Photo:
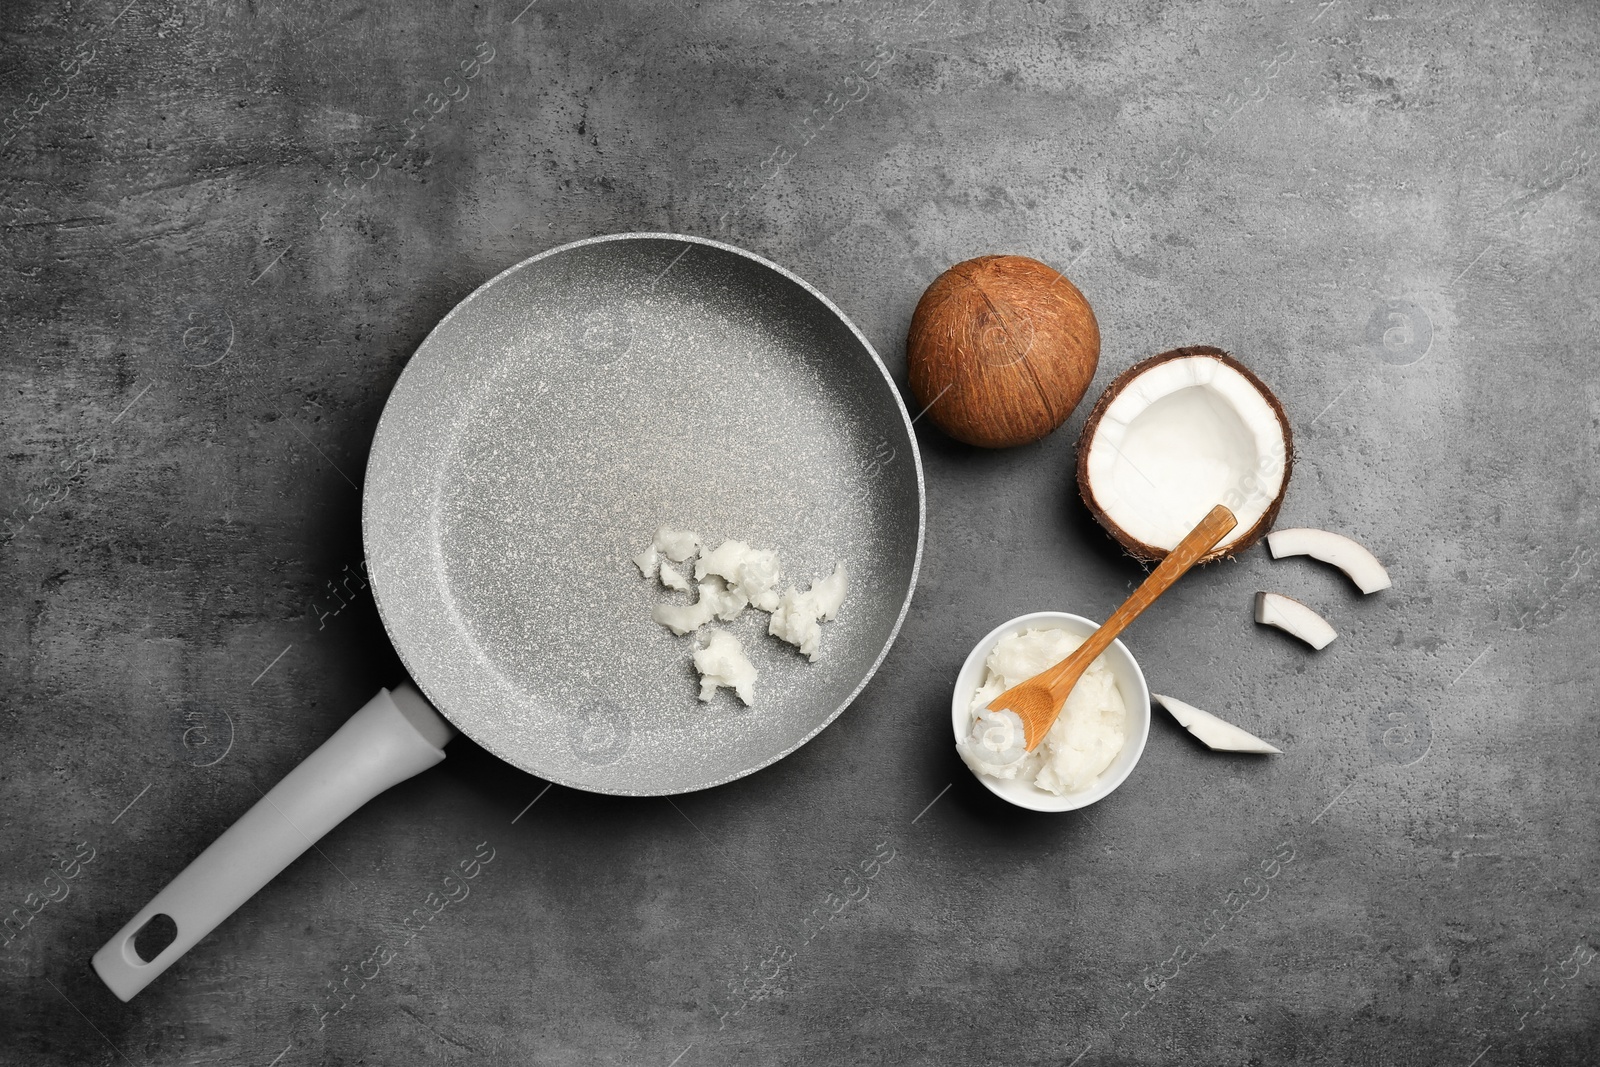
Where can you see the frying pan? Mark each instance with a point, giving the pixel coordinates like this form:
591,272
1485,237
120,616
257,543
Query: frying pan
531,447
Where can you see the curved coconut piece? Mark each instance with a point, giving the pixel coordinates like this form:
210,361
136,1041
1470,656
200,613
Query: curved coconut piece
1293,617
1217,734
1176,435
1359,565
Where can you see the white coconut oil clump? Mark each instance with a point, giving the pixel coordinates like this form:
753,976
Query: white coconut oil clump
751,572
1085,738
672,579
722,663
676,545
728,579
715,601
799,616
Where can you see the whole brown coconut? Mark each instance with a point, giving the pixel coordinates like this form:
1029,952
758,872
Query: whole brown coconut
1001,350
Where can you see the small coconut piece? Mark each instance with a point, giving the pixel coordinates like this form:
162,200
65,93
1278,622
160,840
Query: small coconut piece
1218,734
1360,565
1176,435
676,545
1001,349
1293,617
672,579
722,663
646,562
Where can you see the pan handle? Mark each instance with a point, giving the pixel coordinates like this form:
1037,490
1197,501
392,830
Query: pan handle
394,736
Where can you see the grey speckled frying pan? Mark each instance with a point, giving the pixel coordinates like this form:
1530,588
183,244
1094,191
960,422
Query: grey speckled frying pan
534,443
545,429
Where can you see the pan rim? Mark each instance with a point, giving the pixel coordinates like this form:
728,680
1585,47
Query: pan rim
906,424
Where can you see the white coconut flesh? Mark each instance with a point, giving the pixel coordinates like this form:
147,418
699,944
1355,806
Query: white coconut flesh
1218,735
1359,565
1186,435
1293,617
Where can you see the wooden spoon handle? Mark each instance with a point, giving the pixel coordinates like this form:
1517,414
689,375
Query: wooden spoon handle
1200,540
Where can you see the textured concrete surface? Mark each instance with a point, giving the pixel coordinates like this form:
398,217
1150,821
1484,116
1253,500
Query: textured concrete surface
222,239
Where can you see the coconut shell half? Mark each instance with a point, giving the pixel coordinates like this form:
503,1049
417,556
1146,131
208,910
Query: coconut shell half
1175,435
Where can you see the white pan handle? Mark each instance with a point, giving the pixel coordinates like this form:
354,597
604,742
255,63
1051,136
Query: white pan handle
393,737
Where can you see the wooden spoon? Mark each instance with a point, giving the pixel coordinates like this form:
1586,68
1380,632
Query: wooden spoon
1038,700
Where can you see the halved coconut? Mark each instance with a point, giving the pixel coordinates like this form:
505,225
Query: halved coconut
1173,437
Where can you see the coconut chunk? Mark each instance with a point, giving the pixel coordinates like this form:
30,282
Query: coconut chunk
1350,556
1293,617
722,664
646,562
1218,734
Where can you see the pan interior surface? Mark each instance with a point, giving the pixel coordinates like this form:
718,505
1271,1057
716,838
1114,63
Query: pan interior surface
548,426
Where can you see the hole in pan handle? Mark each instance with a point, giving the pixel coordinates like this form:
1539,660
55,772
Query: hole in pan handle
394,736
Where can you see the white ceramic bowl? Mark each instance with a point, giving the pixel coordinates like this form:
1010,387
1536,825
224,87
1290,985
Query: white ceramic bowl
1135,695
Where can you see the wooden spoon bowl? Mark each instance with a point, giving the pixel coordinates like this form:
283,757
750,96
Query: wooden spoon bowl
1038,700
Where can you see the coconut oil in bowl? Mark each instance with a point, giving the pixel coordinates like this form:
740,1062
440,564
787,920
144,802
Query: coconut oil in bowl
1069,769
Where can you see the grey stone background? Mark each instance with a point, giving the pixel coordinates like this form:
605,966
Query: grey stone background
221,241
